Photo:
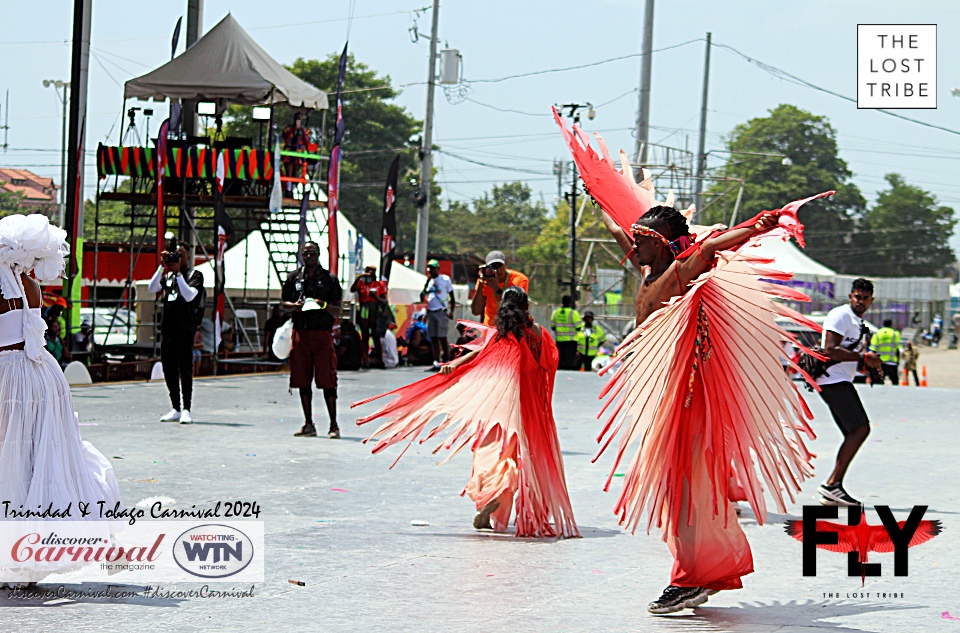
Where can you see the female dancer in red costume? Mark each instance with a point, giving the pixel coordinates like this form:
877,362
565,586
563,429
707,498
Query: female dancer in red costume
498,401
702,385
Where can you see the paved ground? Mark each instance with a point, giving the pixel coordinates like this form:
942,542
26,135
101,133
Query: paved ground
943,366
367,568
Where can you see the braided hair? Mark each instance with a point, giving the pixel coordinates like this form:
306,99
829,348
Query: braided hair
512,316
671,224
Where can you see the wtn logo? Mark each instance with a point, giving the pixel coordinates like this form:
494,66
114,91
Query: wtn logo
213,551
201,550
858,538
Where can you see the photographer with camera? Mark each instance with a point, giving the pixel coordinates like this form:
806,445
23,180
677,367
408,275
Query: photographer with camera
845,344
371,298
181,291
493,279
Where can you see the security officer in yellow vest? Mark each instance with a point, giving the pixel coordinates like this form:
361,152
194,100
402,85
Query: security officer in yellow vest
565,323
589,340
886,344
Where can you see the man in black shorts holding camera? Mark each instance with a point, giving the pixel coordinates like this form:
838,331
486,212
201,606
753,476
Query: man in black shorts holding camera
313,295
844,342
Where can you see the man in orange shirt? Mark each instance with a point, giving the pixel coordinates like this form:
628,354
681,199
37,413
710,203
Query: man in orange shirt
494,278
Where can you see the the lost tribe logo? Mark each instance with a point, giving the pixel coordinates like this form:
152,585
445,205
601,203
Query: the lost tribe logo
858,538
213,551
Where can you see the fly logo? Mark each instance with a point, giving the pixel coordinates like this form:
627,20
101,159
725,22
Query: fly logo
213,551
858,538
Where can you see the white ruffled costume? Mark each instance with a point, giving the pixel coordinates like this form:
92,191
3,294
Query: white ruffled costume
43,460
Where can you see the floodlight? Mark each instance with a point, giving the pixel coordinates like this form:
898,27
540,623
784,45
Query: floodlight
261,113
206,107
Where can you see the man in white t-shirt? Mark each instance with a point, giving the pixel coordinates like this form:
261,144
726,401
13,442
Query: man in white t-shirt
438,294
844,343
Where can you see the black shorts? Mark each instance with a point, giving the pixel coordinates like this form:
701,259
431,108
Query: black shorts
845,405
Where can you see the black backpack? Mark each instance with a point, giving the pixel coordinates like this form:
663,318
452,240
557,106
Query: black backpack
199,306
817,368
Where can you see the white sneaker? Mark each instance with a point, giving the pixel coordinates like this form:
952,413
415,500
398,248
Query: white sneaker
173,416
186,418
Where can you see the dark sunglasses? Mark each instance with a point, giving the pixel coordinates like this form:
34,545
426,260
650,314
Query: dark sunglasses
495,265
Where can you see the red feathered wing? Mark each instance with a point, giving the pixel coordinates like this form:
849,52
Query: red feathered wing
505,389
717,349
878,540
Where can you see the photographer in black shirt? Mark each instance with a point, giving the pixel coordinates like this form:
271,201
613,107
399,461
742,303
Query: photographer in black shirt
313,296
181,291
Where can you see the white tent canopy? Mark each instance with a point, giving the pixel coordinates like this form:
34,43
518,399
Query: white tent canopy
226,66
790,258
247,263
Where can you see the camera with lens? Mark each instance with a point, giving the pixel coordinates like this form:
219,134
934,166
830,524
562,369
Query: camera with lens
171,246
487,272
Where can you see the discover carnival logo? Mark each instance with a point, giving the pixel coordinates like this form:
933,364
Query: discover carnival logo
213,551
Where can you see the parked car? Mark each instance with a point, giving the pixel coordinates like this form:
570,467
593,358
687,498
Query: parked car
111,326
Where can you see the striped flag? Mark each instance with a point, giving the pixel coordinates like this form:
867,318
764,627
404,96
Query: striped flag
333,173
161,167
276,194
388,241
224,228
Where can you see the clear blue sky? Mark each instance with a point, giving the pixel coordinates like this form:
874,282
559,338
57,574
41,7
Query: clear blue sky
813,39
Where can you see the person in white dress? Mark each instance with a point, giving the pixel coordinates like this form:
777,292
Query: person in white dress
43,461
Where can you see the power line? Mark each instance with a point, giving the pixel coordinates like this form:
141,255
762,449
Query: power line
591,64
784,75
507,110
482,164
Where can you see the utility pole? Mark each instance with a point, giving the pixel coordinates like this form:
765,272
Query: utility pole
63,158
73,222
189,125
701,155
426,158
573,111
6,125
573,228
558,170
646,69
64,99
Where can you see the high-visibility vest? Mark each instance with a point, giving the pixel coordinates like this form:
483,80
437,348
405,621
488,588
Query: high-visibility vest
885,344
566,322
590,345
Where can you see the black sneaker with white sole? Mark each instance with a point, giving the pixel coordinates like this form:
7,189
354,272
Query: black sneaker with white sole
678,598
835,495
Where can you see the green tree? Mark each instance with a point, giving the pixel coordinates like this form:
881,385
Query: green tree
547,260
376,130
505,219
114,219
9,201
809,142
906,233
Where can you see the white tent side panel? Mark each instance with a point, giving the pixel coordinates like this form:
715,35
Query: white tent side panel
247,263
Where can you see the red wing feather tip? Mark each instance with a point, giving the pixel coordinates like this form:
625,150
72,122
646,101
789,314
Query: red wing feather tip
794,528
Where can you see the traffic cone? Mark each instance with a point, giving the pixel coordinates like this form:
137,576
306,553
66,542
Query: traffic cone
923,376
903,381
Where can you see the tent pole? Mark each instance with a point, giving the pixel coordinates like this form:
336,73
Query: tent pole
203,249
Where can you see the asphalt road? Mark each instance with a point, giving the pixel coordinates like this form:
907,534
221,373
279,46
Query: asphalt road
339,521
